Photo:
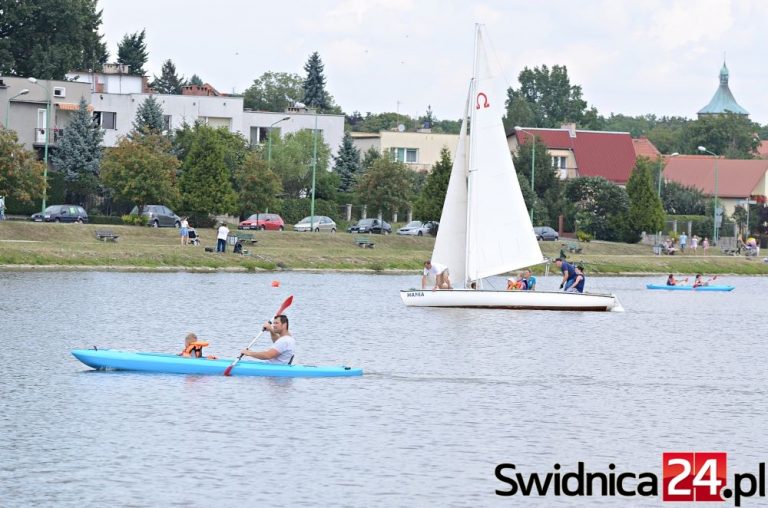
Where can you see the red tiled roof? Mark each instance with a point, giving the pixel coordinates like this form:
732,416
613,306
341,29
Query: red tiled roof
607,154
735,178
644,148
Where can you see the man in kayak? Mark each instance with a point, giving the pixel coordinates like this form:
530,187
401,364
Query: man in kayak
283,344
439,272
698,281
569,273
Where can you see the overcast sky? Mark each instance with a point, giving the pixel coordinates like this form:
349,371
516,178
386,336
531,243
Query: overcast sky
631,57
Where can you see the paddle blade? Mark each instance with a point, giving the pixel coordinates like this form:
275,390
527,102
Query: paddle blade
287,303
228,370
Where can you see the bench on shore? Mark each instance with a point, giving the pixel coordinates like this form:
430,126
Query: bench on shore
105,235
364,242
574,247
246,237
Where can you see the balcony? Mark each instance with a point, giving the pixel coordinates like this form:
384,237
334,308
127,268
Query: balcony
40,136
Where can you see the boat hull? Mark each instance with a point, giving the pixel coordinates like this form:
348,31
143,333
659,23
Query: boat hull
492,299
690,288
103,359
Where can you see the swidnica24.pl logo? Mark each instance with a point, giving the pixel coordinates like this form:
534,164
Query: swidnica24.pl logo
685,476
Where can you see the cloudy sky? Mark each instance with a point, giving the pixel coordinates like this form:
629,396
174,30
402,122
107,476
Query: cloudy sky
631,57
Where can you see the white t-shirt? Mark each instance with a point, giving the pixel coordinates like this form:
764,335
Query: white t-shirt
436,269
223,232
285,345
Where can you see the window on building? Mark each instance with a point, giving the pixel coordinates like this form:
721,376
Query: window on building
105,119
559,163
407,155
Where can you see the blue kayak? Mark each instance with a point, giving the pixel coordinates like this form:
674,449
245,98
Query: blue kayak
711,287
103,359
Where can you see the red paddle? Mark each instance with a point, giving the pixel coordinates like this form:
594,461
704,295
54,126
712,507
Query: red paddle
287,303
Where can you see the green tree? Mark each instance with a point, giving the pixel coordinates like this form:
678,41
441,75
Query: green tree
315,95
386,187
48,38
195,80
293,158
547,189
141,171
369,157
132,51
206,181
597,206
257,187
169,81
730,135
429,204
149,117
347,164
273,91
682,200
78,154
646,212
550,96
21,174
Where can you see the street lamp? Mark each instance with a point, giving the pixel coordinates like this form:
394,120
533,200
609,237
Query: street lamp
269,136
714,214
47,135
314,169
661,168
533,163
25,91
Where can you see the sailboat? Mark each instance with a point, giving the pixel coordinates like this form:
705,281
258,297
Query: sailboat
485,229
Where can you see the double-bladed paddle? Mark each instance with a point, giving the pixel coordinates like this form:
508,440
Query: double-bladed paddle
287,303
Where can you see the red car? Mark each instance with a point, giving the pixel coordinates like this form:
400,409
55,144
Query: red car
263,221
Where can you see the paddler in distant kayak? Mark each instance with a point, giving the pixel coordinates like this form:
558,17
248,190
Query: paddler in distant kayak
283,344
698,281
672,281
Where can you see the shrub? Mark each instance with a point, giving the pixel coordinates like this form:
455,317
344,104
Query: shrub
136,220
583,236
104,219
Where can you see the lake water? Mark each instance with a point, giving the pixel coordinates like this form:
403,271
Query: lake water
447,393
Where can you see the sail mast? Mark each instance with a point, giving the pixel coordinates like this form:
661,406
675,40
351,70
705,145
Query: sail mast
470,160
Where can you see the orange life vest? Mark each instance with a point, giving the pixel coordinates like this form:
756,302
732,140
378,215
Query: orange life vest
194,349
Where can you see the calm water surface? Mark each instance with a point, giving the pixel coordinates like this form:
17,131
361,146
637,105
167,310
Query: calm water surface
447,394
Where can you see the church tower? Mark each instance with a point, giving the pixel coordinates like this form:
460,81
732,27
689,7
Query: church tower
723,101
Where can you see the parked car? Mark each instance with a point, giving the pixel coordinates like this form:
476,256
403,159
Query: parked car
370,226
546,233
158,216
61,213
319,223
263,221
418,228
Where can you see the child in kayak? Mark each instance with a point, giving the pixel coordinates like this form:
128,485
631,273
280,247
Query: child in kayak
193,348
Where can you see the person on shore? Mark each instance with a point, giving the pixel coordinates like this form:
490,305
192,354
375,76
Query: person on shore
694,243
578,282
569,273
671,281
184,230
2,207
705,245
562,252
283,344
683,242
439,272
221,237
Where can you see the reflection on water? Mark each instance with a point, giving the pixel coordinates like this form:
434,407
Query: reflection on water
447,394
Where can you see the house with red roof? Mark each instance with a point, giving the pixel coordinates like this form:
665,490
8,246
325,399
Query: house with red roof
737,179
578,153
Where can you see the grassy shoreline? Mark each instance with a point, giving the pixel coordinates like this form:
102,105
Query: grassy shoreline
36,246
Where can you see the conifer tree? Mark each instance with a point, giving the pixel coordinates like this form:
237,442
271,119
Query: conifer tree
149,117
646,212
195,80
78,154
347,164
169,81
429,205
132,51
315,95
205,182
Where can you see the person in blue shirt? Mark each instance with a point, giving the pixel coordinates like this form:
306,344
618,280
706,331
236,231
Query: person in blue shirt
578,283
530,280
569,273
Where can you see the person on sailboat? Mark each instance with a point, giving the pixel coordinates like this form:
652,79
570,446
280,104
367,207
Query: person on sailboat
578,282
569,273
439,272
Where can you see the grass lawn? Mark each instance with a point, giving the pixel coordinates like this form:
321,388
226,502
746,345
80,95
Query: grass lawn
73,245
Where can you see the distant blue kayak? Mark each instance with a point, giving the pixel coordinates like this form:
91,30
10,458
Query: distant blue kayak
103,359
711,287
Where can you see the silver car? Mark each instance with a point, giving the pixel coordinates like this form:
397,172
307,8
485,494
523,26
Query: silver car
318,222
158,216
416,228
